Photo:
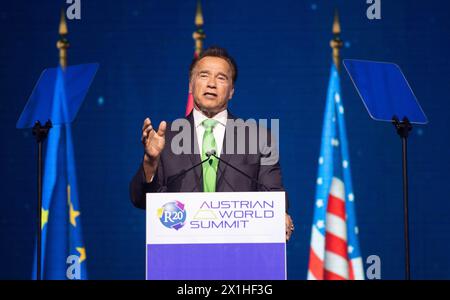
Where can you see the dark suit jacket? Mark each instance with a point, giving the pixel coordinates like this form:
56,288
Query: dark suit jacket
228,179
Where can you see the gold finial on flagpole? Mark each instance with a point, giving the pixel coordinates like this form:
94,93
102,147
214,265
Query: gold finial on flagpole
62,44
199,14
199,34
336,42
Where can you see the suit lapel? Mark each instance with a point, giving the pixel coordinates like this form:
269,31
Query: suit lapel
195,156
224,156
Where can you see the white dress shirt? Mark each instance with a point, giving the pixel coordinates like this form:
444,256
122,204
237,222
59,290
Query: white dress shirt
218,131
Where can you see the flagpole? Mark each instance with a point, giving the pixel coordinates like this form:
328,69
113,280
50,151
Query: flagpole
199,34
41,133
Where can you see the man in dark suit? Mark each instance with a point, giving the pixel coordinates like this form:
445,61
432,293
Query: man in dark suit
210,127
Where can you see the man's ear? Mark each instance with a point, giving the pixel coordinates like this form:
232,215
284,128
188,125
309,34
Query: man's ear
231,93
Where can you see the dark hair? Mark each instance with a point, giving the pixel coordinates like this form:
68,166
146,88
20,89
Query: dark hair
216,51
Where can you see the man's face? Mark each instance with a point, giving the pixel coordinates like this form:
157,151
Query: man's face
211,85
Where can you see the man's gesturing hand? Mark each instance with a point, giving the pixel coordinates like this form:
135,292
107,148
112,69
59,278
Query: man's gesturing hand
289,227
153,142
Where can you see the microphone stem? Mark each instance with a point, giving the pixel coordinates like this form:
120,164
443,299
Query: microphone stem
185,171
236,169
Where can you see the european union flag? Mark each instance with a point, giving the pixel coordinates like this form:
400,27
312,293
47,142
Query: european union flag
63,250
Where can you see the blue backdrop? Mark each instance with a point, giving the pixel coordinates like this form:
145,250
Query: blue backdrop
282,48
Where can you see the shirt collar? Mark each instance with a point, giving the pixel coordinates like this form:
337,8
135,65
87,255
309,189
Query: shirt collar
220,117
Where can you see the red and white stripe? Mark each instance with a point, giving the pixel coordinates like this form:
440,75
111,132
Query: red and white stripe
329,254
316,255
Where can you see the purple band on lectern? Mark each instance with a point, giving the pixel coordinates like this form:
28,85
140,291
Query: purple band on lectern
257,261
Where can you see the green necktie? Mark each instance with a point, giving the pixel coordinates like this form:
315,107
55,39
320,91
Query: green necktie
209,167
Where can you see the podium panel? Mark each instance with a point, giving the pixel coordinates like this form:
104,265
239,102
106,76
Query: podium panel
216,236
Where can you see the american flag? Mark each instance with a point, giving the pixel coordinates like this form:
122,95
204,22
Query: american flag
334,252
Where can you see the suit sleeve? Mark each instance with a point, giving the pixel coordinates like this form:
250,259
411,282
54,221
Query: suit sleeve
270,170
139,187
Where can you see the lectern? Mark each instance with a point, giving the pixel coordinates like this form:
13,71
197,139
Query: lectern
216,236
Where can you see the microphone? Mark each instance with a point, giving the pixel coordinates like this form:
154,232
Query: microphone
212,152
184,171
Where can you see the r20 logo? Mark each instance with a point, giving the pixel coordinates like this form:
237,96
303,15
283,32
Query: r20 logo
172,215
